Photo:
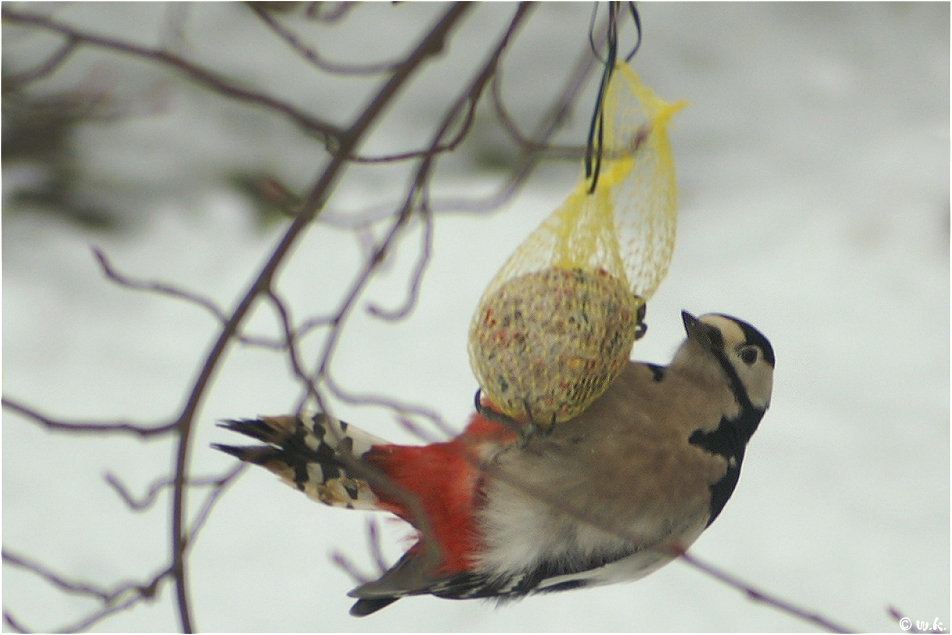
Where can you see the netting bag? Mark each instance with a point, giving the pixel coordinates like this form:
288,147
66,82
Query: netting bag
557,323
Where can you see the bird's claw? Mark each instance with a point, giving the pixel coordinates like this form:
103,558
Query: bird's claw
524,430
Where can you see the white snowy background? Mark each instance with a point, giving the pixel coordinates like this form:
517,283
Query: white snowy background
813,167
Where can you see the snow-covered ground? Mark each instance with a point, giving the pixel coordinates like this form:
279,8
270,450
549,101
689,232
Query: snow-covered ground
813,167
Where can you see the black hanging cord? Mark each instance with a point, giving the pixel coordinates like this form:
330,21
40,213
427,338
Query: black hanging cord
596,130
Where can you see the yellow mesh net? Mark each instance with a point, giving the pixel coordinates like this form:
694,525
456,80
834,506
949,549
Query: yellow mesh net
557,323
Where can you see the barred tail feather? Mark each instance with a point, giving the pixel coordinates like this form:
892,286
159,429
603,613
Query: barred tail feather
311,453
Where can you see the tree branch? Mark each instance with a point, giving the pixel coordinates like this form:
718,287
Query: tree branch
122,427
312,55
209,79
162,288
123,597
430,45
148,499
413,292
14,82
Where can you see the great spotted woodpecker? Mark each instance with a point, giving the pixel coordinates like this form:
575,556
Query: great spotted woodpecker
608,496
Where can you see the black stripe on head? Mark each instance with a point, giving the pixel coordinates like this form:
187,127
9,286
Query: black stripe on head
751,337
737,386
754,337
730,438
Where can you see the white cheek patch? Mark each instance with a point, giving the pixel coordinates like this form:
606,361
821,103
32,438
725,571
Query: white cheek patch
757,379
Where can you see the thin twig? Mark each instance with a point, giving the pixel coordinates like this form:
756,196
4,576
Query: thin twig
471,101
410,426
345,564
431,44
13,623
161,288
313,323
211,80
291,344
373,542
527,145
417,278
15,82
220,486
98,616
172,291
555,117
312,55
759,595
148,499
136,592
121,427
467,100
77,588
508,124
369,399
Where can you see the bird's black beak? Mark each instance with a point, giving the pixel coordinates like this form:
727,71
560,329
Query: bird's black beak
706,336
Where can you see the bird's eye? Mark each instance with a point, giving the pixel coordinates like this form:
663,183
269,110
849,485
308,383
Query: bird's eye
749,355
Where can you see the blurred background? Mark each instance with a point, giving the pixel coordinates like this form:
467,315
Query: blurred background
813,167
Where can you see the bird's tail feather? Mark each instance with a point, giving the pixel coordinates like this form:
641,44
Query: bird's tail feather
317,454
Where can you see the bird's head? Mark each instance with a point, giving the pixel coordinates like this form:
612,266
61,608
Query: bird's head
740,350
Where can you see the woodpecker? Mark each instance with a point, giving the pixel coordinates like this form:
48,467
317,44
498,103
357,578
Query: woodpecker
610,495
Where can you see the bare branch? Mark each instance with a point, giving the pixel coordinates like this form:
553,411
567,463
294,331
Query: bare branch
291,345
157,287
373,542
122,427
162,288
469,97
431,44
314,323
13,623
78,588
209,79
759,595
221,484
417,431
157,486
123,597
312,55
346,565
133,503
554,118
14,82
128,594
98,616
400,408
414,287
